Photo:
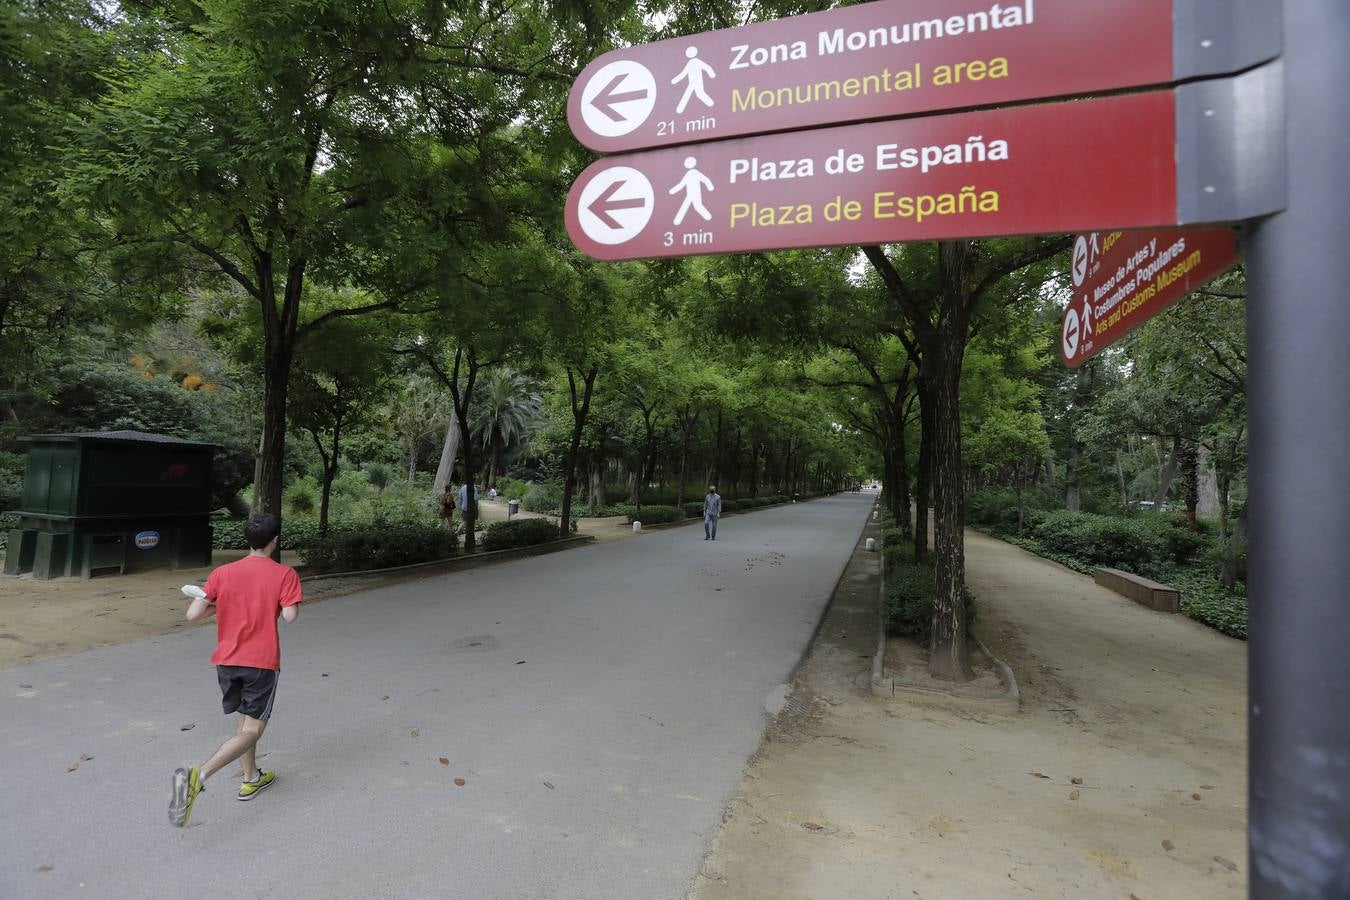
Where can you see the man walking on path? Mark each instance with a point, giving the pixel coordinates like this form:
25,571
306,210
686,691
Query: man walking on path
712,511
246,597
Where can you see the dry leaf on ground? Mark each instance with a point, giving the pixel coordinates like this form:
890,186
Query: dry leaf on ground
1073,795
44,868
27,687
85,757
1169,846
443,761
1039,775
550,786
459,782
1195,796
1227,864
413,733
188,727
812,826
1075,780
72,767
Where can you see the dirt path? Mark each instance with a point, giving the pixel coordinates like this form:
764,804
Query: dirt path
859,797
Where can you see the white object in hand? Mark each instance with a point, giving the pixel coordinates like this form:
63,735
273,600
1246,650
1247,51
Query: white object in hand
196,593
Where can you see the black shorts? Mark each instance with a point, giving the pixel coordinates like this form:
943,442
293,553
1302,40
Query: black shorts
247,690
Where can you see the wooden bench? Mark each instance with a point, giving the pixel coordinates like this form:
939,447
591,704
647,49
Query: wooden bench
1141,590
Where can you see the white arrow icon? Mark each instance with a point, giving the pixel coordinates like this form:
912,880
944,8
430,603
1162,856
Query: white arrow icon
618,98
1070,336
1080,261
616,205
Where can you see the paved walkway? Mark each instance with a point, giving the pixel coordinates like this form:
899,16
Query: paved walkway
1123,776
599,704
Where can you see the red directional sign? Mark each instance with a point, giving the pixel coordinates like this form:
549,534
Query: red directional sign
893,58
1123,279
1034,170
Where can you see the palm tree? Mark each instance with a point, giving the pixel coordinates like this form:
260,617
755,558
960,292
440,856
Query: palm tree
509,407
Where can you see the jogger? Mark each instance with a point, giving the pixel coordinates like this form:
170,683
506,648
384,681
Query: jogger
246,597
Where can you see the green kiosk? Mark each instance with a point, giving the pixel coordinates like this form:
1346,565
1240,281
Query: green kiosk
112,502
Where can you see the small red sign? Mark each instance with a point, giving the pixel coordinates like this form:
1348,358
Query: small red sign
1045,169
1123,279
869,61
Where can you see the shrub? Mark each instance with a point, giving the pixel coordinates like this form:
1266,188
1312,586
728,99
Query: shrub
512,489
301,498
600,512
730,505
377,476
893,537
694,509
1206,601
519,533
778,498
910,589
655,514
377,546
543,497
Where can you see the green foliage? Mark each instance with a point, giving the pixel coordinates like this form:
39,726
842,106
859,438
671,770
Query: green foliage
1145,544
512,489
301,498
893,537
377,475
519,533
377,546
11,480
1206,601
543,497
908,604
729,505
656,514
694,509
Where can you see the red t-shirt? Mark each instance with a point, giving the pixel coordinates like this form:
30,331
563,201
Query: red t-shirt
249,595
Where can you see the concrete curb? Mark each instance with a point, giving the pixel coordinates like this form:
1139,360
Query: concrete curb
1010,703
454,563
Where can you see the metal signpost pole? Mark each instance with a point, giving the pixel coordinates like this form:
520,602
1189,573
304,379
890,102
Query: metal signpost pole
1299,413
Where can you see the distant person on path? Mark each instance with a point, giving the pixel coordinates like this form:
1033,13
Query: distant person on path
246,598
712,511
446,512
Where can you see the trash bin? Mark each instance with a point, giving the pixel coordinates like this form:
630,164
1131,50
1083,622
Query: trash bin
512,507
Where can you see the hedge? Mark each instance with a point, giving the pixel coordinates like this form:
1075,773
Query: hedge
378,546
656,514
519,533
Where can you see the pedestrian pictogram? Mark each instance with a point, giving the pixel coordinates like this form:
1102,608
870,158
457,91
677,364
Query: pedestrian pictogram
693,184
692,75
615,205
1087,317
618,98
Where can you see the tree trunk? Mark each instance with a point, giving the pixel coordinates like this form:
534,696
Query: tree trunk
1168,473
276,384
254,506
1189,463
579,413
449,451
1208,506
948,657
924,476
1073,498
1228,572
1120,477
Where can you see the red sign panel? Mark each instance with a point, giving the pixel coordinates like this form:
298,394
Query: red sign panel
870,61
1034,170
1122,280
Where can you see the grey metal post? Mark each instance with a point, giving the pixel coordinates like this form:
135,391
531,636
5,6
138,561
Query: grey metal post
1298,338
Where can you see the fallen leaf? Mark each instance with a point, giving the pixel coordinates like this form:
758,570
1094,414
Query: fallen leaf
1227,864
459,782
1039,775
521,663
29,687
403,762
1075,781
1133,897
1195,796
72,767
1206,787
44,868
1073,795
443,761
188,727
413,733
812,826
85,757
549,785
1169,846
385,697
323,675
